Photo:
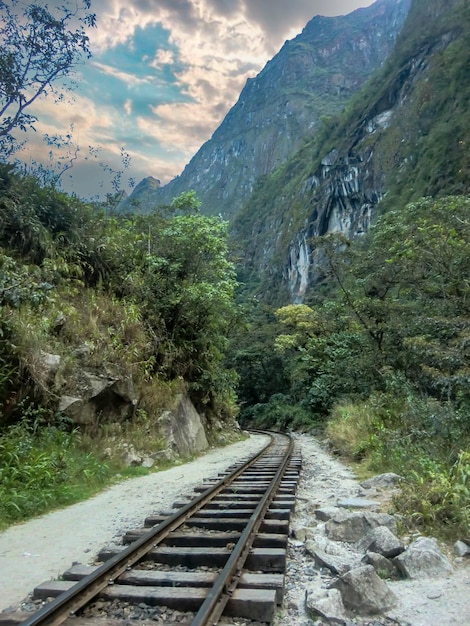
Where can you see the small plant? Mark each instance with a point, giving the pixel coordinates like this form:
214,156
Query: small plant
42,465
438,498
421,439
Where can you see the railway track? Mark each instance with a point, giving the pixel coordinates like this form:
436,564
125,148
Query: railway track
219,554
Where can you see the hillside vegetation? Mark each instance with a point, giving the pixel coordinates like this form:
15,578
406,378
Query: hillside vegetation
355,164
144,299
377,357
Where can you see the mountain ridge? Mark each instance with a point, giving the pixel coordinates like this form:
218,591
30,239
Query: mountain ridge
312,75
402,137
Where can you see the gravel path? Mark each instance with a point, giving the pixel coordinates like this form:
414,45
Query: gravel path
42,549
45,547
324,480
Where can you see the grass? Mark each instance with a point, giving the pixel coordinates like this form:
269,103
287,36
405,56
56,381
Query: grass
40,471
425,441
45,467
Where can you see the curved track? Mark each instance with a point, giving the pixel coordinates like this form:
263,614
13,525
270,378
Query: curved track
234,529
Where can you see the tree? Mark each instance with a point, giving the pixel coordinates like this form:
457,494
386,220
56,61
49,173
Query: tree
177,269
417,270
261,370
188,291
38,48
407,287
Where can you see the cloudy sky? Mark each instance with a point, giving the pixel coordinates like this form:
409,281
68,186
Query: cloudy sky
162,77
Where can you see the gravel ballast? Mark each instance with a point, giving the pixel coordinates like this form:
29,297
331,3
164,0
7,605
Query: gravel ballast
43,548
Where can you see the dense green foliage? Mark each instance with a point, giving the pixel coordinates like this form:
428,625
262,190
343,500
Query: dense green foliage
149,298
382,355
43,465
57,251
424,440
401,303
378,355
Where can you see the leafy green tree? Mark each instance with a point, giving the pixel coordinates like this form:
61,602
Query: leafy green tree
38,49
400,308
188,295
187,202
38,221
414,273
261,370
327,354
176,267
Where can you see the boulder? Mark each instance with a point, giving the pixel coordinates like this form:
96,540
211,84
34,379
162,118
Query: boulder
353,525
77,409
336,564
148,462
382,541
364,592
423,559
383,566
302,533
113,396
461,548
65,402
382,481
327,604
357,503
131,457
100,399
182,428
325,513
83,351
95,385
46,366
164,456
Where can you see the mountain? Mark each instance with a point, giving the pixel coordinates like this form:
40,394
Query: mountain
313,75
405,135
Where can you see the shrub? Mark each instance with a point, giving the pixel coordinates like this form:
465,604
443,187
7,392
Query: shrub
437,497
424,440
279,413
42,464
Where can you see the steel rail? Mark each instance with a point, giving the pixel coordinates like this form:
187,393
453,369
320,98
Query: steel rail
225,584
69,602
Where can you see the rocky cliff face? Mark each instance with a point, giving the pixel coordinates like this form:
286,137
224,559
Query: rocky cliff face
344,194
383,148
313,75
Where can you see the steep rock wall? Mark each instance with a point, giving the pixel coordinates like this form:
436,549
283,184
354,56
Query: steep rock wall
378,151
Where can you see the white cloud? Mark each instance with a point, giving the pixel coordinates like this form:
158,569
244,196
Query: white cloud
178,129
163,57
124,77
216,45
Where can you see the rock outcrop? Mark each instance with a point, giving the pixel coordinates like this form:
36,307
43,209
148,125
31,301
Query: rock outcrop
182,428
100,398
333,186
